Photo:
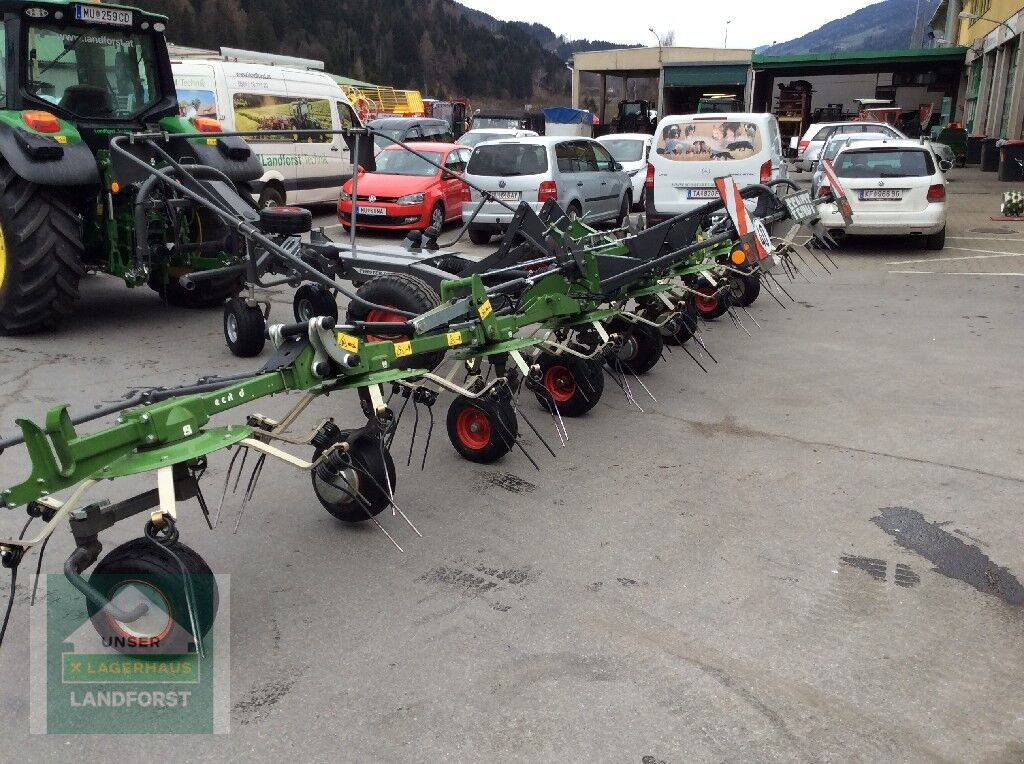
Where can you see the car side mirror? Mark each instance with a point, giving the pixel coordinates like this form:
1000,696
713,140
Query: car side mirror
945,165
449,175
616,166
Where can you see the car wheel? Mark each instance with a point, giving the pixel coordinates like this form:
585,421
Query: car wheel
936,240
574,210
624,208
437,217
479,236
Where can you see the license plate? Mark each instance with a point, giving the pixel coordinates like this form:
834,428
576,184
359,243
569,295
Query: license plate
881,194
99,15
702,193
371,210
506,196
800,207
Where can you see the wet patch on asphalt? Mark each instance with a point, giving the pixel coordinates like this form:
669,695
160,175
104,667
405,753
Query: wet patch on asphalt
903,575
261,698
507,481
476,580
951,557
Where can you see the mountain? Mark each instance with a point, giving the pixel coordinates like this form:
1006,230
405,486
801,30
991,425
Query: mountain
883,26
436,46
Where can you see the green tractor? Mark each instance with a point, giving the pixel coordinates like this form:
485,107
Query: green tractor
79,74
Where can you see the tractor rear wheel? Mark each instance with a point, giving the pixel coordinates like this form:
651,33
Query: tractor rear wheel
40,256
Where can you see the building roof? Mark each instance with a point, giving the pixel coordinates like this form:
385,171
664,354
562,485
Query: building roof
848,58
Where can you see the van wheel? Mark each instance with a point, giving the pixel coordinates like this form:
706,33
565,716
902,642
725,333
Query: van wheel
271,197
479,236
574,211
623,210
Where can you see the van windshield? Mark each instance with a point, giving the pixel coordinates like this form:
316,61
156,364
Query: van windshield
507,159
709,139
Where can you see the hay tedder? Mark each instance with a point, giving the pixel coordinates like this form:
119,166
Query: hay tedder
554,311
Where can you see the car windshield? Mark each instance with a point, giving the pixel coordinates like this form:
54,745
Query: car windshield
885,163
625,150
510,123
471,138
507,159
402,162
381,139
104,74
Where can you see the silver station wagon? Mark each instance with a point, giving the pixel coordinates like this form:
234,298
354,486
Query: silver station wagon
578,173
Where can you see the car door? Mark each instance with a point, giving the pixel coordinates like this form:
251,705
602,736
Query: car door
611,181
452,185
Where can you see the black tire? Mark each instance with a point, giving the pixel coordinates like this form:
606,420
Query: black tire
679,331
207,293
936,240
287,221
404,292
313,300
642,348
574,210
245,328
482,430
41,258
641,203
271,197
360,491
744,290
623,210
436,218
709,302
576,384
479,236
155,575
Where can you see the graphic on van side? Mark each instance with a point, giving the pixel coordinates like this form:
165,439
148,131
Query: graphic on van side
706,140
196,103
263,111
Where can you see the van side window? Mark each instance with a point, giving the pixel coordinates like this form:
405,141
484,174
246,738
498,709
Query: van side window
564,156
602,157
587,158
347,115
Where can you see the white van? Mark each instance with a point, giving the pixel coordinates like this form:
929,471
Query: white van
243,97
691,150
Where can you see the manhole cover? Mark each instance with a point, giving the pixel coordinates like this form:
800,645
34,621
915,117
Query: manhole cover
992,230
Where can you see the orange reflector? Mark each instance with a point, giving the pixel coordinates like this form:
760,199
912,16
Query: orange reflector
41,121
206,124
738,257
115,187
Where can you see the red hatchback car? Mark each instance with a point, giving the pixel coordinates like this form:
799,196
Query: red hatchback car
407,192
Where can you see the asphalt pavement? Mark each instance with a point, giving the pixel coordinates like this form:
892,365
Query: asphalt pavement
809,553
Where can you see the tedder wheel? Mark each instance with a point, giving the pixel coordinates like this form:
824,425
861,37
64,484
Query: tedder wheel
743,290
271,197
681,328
709,302
479,236
244,328
575,384
40,256
358,490
288,221
482,430
403,292
642,347
142,571
312,300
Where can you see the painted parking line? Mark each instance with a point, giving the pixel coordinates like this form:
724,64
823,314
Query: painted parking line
952,273
981,238
987,254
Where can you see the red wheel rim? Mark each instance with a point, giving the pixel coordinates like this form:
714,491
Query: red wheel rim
137,638
473,428
378,316
560,383
706,299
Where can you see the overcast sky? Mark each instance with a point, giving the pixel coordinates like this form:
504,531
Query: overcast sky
752,22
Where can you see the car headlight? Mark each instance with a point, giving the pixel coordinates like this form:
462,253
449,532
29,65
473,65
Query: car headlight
410,199
345,196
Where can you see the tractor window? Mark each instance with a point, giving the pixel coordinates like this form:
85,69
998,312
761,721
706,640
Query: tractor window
104,74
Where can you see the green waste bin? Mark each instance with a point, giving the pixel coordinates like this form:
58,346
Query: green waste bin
1011,161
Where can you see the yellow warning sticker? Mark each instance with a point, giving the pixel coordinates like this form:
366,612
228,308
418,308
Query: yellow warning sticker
485,309
211,141
454,339
402,349
348,342
60,138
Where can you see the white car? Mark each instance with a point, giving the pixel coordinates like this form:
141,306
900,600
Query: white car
631,150
472,137
895,188
809,148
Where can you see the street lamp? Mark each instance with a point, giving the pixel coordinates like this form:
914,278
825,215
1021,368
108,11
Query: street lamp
968,16
725,42
658,38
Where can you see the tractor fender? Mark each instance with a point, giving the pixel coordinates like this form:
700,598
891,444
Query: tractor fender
42,160
229,155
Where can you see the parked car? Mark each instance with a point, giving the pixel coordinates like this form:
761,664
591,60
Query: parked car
303,169
809,148
406,192
578,173
631,150
472,137
895,188
834,145
691,150
407,129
